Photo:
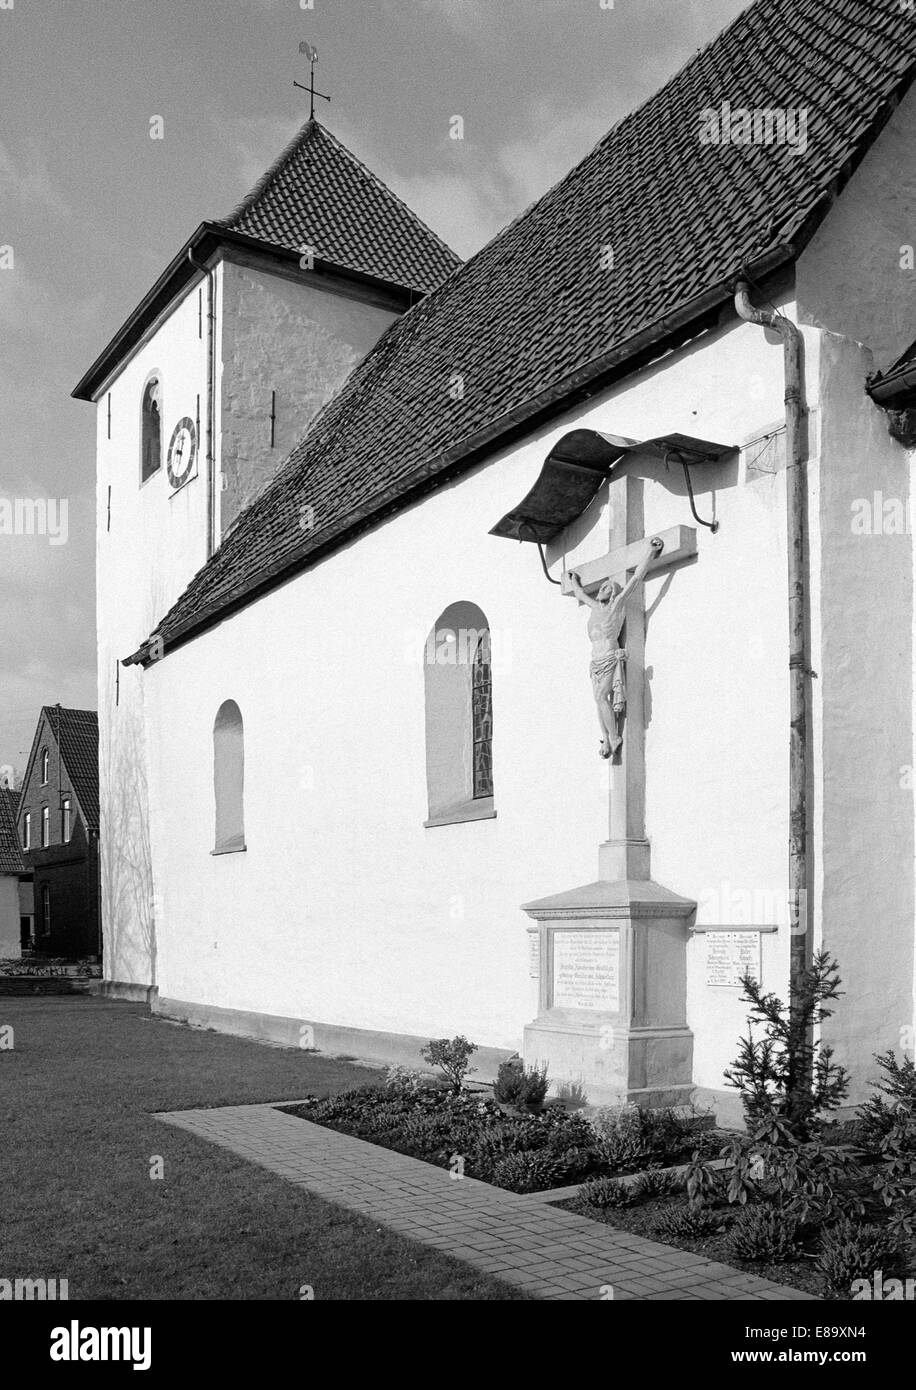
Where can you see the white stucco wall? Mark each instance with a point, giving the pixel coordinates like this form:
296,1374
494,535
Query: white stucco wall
155,542
344,909
853,278
865,684
286,336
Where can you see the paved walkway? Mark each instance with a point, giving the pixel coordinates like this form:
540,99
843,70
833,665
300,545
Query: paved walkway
552,1254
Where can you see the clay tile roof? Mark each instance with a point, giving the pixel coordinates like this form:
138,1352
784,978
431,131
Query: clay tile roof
11,861
538,307
77,734
318,194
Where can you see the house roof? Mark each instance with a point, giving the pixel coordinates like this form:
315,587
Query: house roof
541,315
319,195
76,733
11,860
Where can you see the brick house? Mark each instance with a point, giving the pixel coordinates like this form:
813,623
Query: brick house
59,831
15,881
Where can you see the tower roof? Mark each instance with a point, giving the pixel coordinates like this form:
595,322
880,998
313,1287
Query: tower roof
317,194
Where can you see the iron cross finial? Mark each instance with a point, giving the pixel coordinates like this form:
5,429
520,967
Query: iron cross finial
312,54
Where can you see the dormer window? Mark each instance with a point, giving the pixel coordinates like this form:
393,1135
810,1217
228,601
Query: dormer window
44,767
151,428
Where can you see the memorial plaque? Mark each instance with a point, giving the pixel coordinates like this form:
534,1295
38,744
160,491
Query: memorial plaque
534,955
730,955
586,970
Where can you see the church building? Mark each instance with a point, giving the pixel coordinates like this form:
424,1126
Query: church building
524,648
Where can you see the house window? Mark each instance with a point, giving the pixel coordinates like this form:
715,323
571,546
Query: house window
151,428
229,779
45,911
27,831
65,820
459,717
44,767
45,826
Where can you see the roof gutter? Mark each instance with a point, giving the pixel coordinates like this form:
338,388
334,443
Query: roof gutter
578,385
799,656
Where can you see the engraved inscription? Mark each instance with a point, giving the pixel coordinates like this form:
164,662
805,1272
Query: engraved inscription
586,970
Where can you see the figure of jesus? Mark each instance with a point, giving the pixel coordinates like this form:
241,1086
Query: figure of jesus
608,664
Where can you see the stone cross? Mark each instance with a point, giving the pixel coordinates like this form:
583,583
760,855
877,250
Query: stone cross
625,854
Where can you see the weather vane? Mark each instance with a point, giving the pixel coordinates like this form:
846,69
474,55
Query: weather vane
312,55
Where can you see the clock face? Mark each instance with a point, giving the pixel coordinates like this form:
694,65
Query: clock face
182,452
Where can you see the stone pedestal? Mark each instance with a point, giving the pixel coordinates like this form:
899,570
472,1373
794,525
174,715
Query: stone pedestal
612,992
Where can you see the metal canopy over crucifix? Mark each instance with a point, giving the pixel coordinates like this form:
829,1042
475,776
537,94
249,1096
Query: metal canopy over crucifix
312,55
572,474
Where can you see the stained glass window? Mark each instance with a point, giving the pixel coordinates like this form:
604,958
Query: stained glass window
482,716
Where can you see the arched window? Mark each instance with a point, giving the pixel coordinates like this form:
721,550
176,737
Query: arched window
459,716
45,826
44,767
65,820
229,778
151,428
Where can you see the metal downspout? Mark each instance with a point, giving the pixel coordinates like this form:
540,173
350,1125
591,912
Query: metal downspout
799,664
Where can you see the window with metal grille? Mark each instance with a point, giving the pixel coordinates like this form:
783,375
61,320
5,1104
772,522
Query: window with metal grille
482,718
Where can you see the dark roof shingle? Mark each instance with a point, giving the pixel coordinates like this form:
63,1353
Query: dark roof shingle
319,195
539,304
77,734
11,860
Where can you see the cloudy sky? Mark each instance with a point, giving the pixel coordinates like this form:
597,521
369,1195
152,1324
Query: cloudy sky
94,209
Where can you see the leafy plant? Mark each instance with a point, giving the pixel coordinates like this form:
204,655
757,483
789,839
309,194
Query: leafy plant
702,1182
517,1085
606,1192
452,1057
764,1233
788,1075
857,1250
677,1222
527,1172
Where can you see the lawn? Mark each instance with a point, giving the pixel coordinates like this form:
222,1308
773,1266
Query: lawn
78,1096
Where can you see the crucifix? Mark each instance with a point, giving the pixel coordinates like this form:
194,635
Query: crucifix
312,54
612,587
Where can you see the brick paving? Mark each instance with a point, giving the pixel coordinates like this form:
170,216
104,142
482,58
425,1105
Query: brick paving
550,1253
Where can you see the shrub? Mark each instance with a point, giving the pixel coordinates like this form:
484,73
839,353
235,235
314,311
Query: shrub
404,1081
678,1222
517,1085
766,1233
879,1116
857,1250
572,1094
452,1057
788,1076
606,1192
655,1182
632,1138
526,1172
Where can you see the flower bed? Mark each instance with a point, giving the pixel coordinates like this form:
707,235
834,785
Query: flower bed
519,1150
662,1219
